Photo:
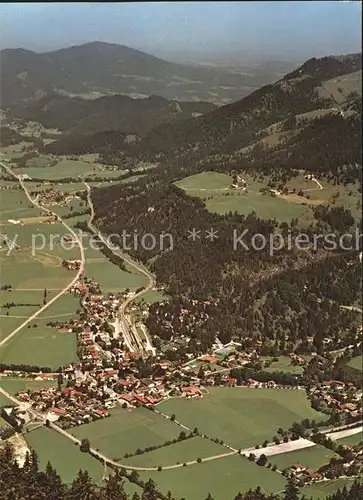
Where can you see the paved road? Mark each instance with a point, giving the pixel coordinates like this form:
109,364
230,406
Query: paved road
301,443
352,308
345,433
65,289
268,451
125,327
318,184
105,459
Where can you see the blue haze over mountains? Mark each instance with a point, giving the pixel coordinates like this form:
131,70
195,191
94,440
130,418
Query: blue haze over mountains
190,32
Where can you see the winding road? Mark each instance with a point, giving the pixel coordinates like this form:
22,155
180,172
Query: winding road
269,450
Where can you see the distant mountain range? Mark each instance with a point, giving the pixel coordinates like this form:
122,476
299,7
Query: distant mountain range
317,84
98,68
318,88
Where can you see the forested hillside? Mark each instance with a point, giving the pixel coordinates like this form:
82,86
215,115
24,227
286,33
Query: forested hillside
118,112
29,482
289,299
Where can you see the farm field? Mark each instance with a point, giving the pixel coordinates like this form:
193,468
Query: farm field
20,297
153,296
44,345
242,417
108,275
11,318
26,272
63,309
63,454
38,261
3,422
351,440
15,149
125,431
215,189
14,385
41,346
265,206
64,168
223,478
4,401
111,182
356,363
205,181
13,203
181,452
283,365
313,458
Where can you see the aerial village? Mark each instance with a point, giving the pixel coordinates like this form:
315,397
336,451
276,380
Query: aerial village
109,374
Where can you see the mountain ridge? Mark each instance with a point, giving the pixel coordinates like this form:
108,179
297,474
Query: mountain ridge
112,68
116,112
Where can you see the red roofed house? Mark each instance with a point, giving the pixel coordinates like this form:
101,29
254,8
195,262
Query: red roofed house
142,400
58,411
191,391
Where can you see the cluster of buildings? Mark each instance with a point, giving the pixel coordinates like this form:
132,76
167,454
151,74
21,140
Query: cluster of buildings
305,474
51,196
297,360
72,406
239,183
85,396
340,396
71,264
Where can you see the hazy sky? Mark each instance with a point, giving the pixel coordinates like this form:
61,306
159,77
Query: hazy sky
272,29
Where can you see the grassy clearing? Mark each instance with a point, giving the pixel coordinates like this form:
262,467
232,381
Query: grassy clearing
214,188
184,451
3,423
64,456
265,206
351,440
283,365
133,178
242,417
320,491
356,363
64,168
126,431
15,150
341,86
223,478
313,458
108,275
205,181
